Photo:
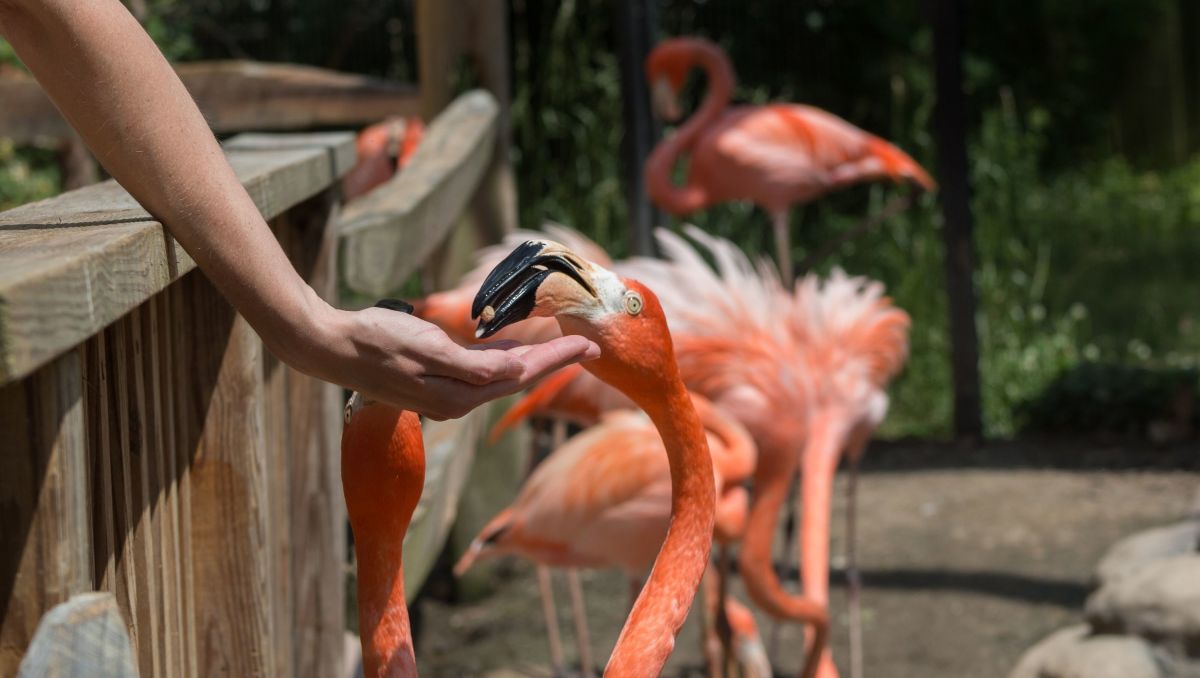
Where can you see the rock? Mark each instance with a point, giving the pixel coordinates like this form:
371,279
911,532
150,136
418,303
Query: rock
1136,550
1159,601
1074,652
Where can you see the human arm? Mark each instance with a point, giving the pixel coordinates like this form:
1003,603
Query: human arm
117,90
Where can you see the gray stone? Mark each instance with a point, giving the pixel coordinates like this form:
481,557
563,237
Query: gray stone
1159,601
1074,652
1136,550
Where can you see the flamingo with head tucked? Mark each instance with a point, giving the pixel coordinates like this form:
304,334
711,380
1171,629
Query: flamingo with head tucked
603,500
625,319
775,156
383,149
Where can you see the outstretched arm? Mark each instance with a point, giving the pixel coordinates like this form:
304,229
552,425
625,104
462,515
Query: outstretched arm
118,91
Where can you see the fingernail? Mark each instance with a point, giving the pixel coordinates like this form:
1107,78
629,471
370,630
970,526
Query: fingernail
592,352
516,366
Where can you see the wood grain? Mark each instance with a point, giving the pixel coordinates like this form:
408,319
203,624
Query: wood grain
71,265
45,536
221,410
391,231
235,96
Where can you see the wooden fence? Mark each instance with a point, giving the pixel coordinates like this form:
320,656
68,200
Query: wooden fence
151,448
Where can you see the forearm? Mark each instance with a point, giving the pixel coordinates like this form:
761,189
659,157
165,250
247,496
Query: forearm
118,91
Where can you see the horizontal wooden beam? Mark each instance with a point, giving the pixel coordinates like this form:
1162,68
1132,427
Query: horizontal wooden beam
71,265
235,96
391,231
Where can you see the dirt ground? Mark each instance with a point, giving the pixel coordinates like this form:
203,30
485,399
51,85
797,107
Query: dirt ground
967,557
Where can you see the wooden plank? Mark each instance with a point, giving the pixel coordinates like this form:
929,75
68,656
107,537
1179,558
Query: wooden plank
83,636
316,506
45,536
129,585
388,233
71,265
222,405
154,411
183,432
143,497
235,96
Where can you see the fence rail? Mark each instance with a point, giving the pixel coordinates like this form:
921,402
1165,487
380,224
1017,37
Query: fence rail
152,448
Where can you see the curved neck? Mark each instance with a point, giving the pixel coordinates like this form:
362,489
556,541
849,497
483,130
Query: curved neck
660,609
734,458
661,163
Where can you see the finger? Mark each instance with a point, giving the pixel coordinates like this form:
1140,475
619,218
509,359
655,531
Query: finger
448,398
477,367
499,345
542,359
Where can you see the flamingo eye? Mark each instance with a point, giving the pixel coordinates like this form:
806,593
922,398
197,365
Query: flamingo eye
633,303
349,411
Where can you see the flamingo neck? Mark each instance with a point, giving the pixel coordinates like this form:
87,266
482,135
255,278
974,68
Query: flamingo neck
382,609
649,634
383,471
661,163
772,477
825,442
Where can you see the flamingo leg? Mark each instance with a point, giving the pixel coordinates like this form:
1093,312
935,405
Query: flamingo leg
783,245
546,591
710,644
791,531
582,637
853,576
724,628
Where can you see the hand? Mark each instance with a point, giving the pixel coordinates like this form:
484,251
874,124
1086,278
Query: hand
406,362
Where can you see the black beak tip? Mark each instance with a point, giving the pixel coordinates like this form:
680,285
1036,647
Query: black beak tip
517,261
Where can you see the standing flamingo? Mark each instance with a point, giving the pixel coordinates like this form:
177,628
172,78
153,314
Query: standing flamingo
804,372
383,471
602,500
625,319
775,155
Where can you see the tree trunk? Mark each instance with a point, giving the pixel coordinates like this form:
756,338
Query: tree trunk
635,22
949,119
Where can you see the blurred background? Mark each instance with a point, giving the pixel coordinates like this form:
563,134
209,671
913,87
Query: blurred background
1082,132
1083,123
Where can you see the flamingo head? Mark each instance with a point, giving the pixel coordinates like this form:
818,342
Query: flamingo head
623,317
667,68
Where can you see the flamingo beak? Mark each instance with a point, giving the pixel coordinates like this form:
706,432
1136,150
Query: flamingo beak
663,100
510,292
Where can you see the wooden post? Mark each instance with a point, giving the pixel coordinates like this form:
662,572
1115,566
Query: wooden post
448,31
949,119
307,466
635,22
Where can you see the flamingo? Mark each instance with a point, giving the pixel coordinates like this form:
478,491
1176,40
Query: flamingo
602,500
624,318
826,352
383,471
383,148
775,155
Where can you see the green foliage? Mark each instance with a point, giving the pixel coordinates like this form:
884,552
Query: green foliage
1125,400
26,174
1082,257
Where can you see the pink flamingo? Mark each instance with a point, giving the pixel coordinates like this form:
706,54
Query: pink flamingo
383,149
602,500
775,155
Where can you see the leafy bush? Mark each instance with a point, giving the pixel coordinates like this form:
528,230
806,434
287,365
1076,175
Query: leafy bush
1096,397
